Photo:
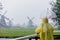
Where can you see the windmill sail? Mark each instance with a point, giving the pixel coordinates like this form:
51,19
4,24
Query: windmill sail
30,22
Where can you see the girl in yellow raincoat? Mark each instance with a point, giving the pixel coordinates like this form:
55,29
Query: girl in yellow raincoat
45,30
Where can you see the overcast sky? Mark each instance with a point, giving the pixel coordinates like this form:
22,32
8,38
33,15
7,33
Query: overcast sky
20,9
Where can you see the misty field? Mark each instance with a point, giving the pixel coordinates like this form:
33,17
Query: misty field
15,32
19,32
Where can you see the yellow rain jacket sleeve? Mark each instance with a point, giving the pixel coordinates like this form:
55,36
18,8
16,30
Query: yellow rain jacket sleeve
45,30
38,30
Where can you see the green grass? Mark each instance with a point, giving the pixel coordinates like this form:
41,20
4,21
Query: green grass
57,33
15,32
18,32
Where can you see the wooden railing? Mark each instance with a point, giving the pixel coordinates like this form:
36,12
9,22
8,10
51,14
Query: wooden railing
34,37
26,37
30,37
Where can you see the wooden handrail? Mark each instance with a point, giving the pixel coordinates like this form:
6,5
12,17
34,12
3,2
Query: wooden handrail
26,37
34,36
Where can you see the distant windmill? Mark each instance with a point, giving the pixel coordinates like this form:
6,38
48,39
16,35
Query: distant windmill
2,20
53,18
30,22
10,22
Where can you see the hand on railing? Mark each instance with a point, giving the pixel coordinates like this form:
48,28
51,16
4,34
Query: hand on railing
37,34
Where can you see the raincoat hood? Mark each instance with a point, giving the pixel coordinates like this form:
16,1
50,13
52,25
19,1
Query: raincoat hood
45,20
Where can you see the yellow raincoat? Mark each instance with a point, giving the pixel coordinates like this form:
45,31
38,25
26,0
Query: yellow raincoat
45,30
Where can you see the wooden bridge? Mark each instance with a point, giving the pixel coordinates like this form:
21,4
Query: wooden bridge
30,37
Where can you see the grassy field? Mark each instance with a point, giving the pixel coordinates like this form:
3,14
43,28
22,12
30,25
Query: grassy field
18,32
15,32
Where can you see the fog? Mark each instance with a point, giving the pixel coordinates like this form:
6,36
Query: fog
20,9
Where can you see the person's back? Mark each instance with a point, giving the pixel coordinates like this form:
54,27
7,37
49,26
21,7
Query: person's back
45,30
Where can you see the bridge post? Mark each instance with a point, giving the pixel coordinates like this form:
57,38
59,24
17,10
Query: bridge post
36,39
30,39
